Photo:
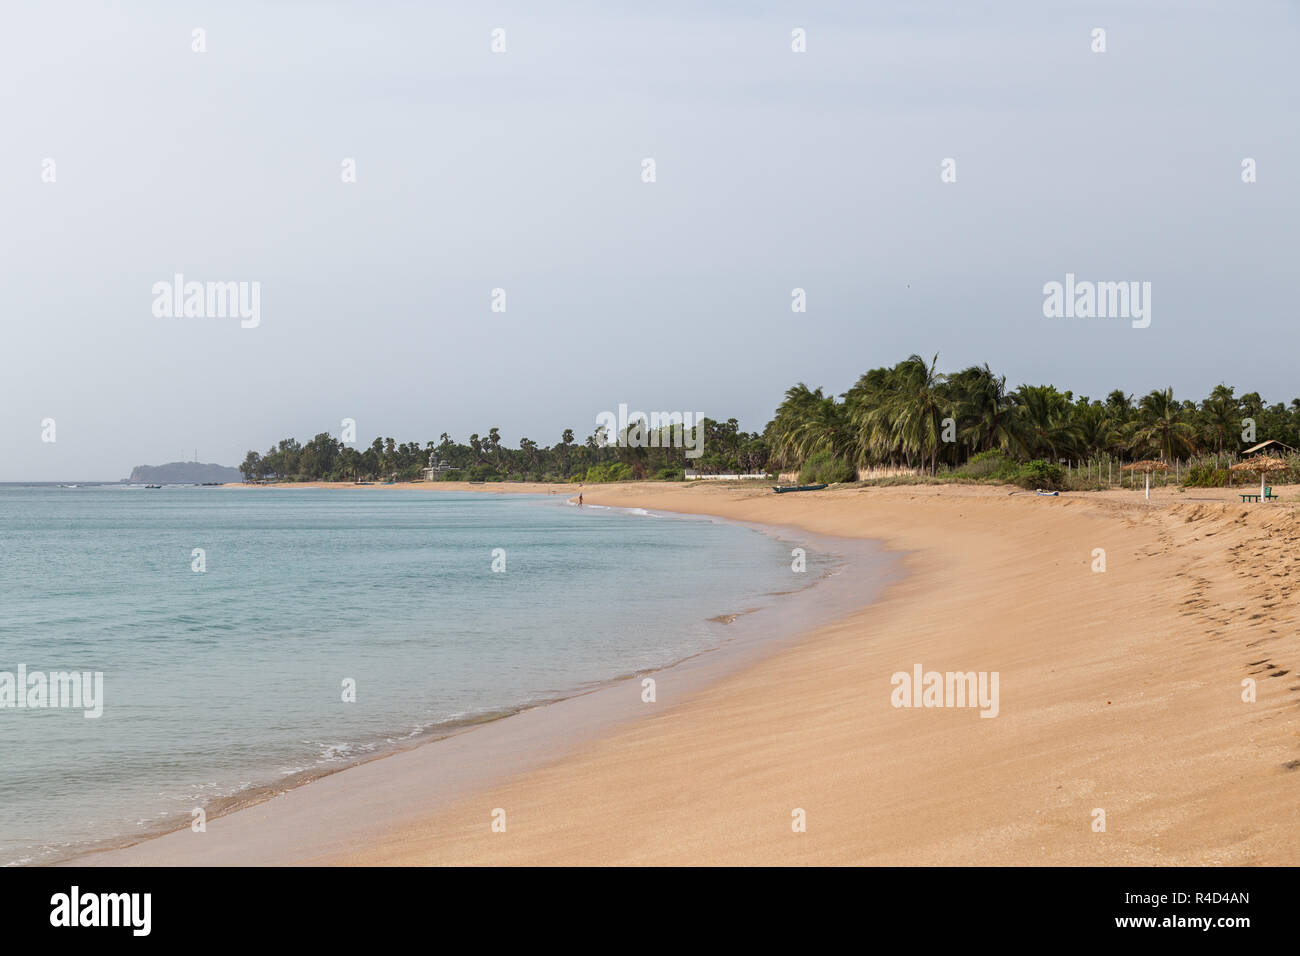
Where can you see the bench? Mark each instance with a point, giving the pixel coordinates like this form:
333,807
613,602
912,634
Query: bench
1246,498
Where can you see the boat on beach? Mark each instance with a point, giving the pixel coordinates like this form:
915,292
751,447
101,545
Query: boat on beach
783,489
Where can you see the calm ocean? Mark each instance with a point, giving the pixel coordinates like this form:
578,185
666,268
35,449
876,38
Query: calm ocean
228,681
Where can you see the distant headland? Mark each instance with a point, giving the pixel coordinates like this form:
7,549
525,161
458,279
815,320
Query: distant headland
182,473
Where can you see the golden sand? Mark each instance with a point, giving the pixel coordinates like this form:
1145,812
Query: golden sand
1120,691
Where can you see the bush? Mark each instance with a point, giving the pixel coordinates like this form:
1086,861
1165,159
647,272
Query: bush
614,471
671,474
989,464
825,468
1040,474
1205,476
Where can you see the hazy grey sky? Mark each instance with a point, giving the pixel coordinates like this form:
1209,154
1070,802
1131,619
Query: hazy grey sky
522,170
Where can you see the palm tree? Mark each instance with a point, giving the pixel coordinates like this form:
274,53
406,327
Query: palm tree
529,449
987,411
1099,429
1220,420
566,442
1120,404
1047,421
808,423
904,412
1160,425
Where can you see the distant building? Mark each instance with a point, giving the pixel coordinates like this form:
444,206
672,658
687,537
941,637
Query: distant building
435,469
1270,447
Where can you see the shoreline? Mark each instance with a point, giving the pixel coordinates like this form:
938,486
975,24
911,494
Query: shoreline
751,633
1120,692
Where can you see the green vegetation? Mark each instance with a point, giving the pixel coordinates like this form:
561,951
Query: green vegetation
825,468
1040,474
908,423
613,471
726,449
994,465
1206,476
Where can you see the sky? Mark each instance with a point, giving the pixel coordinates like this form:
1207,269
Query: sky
522,170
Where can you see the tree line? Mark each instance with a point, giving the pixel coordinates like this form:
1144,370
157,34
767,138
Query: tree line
600,457
913,416
909,415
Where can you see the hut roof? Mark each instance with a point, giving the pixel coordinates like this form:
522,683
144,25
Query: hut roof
1149,465
1270,444
1261,463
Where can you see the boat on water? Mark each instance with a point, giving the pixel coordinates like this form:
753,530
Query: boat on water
783,489
153,486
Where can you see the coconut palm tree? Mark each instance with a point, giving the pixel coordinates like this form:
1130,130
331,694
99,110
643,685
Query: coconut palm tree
807,422
904,412
987,411
1047,422
1220,420
1160,425
1099,430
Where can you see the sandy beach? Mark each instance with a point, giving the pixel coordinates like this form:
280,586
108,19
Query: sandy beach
1120,691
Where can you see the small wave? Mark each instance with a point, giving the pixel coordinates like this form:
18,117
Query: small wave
729,618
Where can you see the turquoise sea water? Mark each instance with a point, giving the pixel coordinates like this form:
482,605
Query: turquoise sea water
225,682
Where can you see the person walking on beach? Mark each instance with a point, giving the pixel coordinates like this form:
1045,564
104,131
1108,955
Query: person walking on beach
580,499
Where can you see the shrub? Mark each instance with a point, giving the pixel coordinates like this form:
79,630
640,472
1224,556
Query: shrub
825,468
1205,476
671,474
1040,474
989,464
613,471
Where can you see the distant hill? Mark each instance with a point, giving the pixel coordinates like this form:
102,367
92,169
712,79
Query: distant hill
182,473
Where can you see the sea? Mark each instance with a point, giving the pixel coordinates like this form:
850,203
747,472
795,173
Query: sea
249,640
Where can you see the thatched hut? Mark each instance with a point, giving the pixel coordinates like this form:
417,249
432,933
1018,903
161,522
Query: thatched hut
1270,447
1262,464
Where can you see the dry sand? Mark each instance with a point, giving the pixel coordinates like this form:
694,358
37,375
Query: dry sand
1119,691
